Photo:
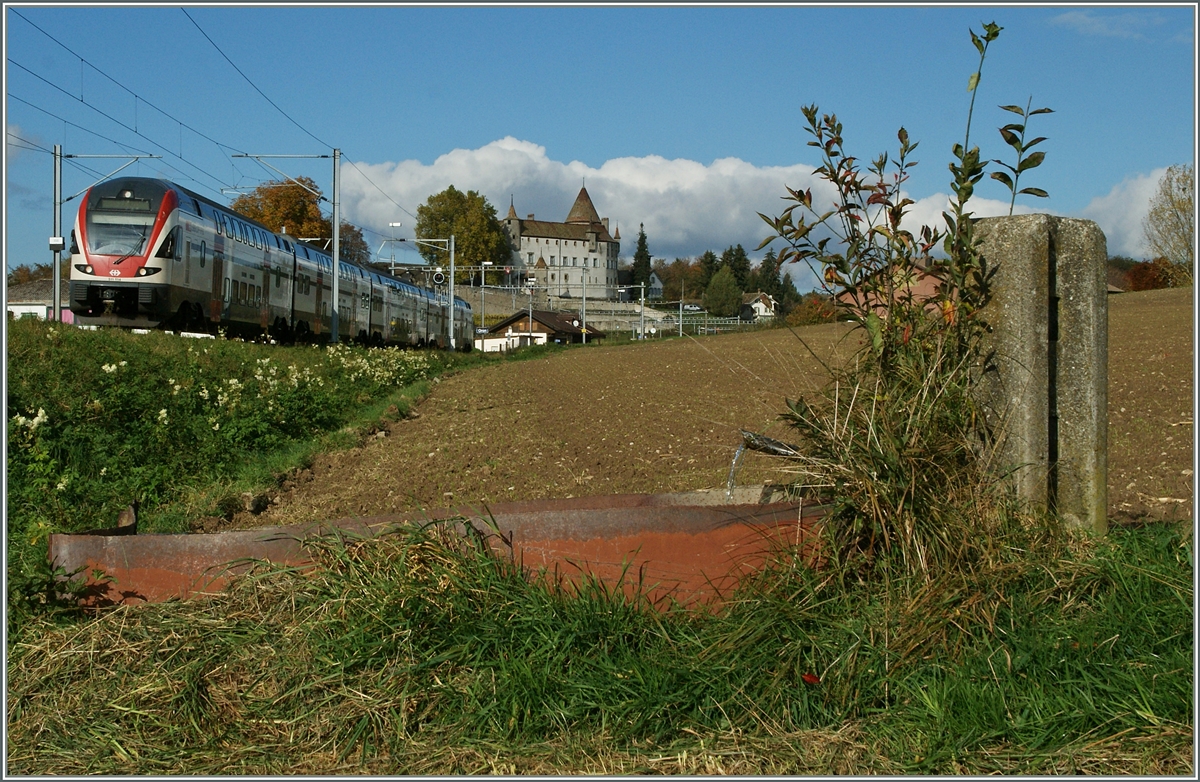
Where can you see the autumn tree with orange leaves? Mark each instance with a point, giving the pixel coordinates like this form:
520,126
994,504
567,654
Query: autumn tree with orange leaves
293,207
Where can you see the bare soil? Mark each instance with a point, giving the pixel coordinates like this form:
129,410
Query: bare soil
664,416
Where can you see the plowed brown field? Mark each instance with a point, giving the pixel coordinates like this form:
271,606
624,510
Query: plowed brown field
664,416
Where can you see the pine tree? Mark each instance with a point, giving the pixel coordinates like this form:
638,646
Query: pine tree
708,267
768,276
735,259
641,261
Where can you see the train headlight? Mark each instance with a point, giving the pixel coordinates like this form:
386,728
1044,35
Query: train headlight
85,269
146,271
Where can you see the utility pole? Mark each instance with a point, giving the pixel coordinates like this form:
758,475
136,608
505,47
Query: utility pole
337,230
681,284
56,238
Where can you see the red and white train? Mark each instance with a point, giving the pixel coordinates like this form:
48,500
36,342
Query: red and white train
147,253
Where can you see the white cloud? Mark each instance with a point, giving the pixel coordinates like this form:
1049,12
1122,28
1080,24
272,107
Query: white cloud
1120,213
1126,25
17,142
687,207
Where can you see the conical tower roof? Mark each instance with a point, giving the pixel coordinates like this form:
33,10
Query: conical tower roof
583,211
512,212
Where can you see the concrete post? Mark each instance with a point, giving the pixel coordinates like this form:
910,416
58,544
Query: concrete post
1047,398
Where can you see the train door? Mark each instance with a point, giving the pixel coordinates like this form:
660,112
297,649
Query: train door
319,302
220,282
264,309
292,282
366,290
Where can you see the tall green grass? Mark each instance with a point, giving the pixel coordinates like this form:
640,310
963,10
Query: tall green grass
98,419
422,652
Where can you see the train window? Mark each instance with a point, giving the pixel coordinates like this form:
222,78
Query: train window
167,248
257,294
202,250
225,290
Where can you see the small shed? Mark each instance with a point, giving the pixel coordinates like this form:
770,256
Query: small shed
36,300
545,326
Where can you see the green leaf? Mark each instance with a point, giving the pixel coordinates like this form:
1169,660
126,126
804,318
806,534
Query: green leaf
975,40
1037,140
1033,161
1012,139
999,176
973,82
903,136
1014,110
873,328
1034,191
1041,111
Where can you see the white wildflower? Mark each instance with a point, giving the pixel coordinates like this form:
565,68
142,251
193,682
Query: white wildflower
110,368
162,416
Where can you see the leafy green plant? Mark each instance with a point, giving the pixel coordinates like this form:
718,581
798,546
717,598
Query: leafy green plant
896,440
1014,136
98,419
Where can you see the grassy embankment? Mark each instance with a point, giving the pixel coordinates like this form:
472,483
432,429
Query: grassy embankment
419,653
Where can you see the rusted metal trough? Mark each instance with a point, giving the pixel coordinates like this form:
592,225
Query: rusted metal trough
690,547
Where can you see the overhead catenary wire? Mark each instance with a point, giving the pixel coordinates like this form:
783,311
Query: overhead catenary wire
248,80
111,118
221,146
285,114
182,175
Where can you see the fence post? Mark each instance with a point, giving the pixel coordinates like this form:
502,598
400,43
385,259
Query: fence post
1047,394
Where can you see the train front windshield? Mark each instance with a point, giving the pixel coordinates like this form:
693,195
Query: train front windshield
120,216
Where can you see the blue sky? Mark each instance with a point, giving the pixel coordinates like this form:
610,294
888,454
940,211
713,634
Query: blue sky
684,119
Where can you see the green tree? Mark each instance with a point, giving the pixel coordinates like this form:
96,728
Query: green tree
765,276
723,297
471,220
641,261
38,271
735,259
1169,227
708,267
293,207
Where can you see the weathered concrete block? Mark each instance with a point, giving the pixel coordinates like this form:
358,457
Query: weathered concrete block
1048,396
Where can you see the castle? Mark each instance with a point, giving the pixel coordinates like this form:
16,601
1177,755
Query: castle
576,258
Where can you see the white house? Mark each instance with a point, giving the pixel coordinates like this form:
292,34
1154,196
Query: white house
655,289
574,258
757,306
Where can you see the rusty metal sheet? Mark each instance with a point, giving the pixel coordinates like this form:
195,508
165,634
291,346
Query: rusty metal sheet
684,551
